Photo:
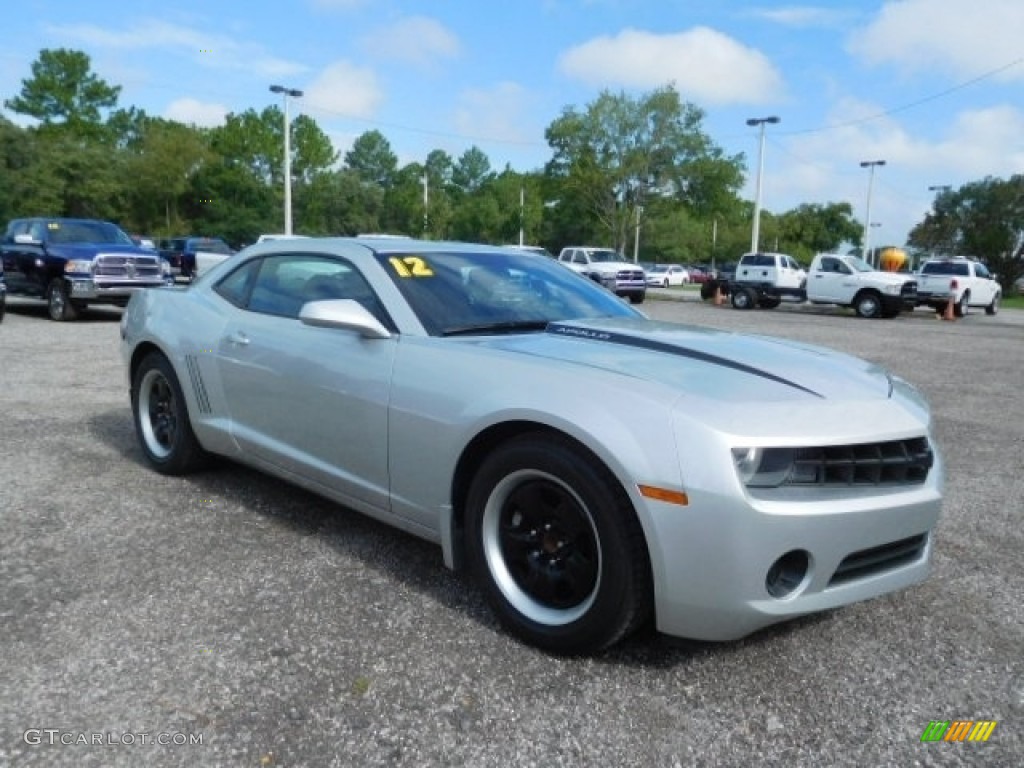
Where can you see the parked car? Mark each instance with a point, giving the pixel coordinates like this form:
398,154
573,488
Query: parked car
665,275
590,468
72,263
190,256
966,282
609,268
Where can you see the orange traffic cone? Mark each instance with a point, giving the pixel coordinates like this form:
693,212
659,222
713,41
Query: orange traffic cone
719,296
949,314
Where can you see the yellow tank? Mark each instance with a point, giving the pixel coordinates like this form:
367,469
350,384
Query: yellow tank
892,259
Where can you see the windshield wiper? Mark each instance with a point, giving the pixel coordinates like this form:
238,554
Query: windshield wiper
507,326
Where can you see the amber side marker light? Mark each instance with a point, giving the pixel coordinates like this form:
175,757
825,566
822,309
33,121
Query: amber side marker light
664,494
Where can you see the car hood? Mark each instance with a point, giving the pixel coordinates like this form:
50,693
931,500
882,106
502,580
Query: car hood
706,362
89,250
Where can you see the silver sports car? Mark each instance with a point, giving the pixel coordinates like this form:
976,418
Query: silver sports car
591,469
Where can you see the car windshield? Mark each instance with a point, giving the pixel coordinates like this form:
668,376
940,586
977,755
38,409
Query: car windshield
86,232
605,256
495,292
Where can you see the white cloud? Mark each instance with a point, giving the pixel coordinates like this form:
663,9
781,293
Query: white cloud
825,167
215,51
344,89
416,39
803,15
339,5
191,111
961,37
500,113
705,65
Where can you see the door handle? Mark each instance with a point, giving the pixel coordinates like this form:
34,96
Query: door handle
238,338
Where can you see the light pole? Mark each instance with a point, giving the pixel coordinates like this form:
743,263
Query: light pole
636,236
870,165
294,93
756,231
426,201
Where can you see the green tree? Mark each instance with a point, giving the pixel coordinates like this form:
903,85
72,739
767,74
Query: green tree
312,151
372,159
983,219
472,169
620,152
814,228
64,91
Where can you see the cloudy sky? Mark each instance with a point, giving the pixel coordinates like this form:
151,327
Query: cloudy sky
933,87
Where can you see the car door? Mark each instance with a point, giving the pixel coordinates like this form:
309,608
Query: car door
986,286
827,281
312,401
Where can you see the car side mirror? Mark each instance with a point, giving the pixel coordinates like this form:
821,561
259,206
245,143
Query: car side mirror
344,314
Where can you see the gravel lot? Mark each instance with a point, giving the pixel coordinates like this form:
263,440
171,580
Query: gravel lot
283,630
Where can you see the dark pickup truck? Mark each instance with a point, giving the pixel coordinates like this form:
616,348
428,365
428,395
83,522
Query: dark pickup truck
76,262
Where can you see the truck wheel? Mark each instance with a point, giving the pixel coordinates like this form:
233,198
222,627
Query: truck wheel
161,419
991,309
868,304
636,298
769,303
58,303
962,307
556,547
743,298
707,289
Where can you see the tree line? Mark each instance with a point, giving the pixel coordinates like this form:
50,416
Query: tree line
622,171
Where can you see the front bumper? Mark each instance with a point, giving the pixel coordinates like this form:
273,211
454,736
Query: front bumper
119,292
716,555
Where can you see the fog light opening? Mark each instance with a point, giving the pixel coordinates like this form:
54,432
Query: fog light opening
787,574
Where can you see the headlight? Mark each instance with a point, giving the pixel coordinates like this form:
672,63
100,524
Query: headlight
893,289
764,467
165,268
78,265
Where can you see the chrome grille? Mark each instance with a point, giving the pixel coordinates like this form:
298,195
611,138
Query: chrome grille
886,557
896,462
630,274
127,267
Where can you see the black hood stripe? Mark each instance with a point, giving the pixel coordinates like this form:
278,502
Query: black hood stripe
562,329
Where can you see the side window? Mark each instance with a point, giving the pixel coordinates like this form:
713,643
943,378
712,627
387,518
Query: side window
579,257
981,271
236,286
286,282
829,265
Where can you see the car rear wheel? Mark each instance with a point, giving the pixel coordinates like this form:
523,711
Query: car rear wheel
556,546
868,304
59,305
743,298
161,419
963,307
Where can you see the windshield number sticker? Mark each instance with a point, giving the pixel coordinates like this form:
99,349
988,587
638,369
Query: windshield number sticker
411,266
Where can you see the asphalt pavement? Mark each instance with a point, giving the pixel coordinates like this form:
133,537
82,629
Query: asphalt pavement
244,622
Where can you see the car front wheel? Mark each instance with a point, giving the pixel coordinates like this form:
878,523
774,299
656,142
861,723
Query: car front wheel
59,305
161,419
556,546
868,304
993,308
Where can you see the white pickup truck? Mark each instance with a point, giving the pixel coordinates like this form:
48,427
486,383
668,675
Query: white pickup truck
968,282
765,280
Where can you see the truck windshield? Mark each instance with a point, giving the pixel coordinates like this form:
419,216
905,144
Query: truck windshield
85,232
605,256
858,265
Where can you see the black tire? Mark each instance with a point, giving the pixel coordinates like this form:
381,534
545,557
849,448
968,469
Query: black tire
868,304
3,306
59,305
707,289
161,419
991,309
769,303
664,283
555,544
637,298
743,298
963,307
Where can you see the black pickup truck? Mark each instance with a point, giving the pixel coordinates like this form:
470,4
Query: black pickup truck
76,262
